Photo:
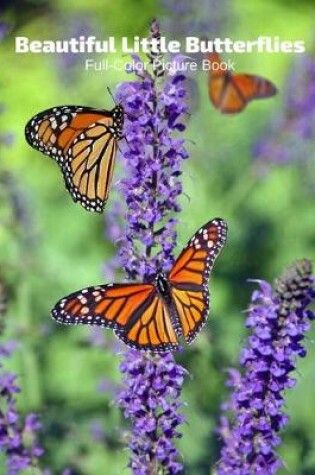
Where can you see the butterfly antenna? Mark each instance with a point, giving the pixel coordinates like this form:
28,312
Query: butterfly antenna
111,95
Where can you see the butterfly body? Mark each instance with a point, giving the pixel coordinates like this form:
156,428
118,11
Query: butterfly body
153,316
231,92
83,142
163,287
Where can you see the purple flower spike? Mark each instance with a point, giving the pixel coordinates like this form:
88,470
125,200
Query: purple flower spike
18,441
154,107
290,135
278,319
4,29
150,401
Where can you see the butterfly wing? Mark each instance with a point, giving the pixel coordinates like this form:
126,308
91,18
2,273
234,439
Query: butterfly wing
152,329
135,312
221,91
253,87
190,274
230,93
83,142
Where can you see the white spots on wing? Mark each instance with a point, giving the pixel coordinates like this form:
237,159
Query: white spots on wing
196,243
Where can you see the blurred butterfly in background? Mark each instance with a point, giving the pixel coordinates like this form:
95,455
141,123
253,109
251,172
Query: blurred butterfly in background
83,141
230,93
153,316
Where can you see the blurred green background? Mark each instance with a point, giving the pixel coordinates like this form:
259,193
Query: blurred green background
50,247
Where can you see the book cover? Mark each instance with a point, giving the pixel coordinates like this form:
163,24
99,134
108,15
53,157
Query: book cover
157,183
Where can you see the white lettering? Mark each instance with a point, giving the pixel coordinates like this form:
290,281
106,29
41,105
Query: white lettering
21,44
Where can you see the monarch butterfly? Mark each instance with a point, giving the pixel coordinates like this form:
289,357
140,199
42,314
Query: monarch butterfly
153,316
230,93
83,141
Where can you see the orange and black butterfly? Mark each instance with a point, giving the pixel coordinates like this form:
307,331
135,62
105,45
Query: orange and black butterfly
83,141
153,316
230,93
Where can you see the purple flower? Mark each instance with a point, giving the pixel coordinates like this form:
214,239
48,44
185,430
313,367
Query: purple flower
151,402
278,319
290,135
153,155
4,29
17,440
155,108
